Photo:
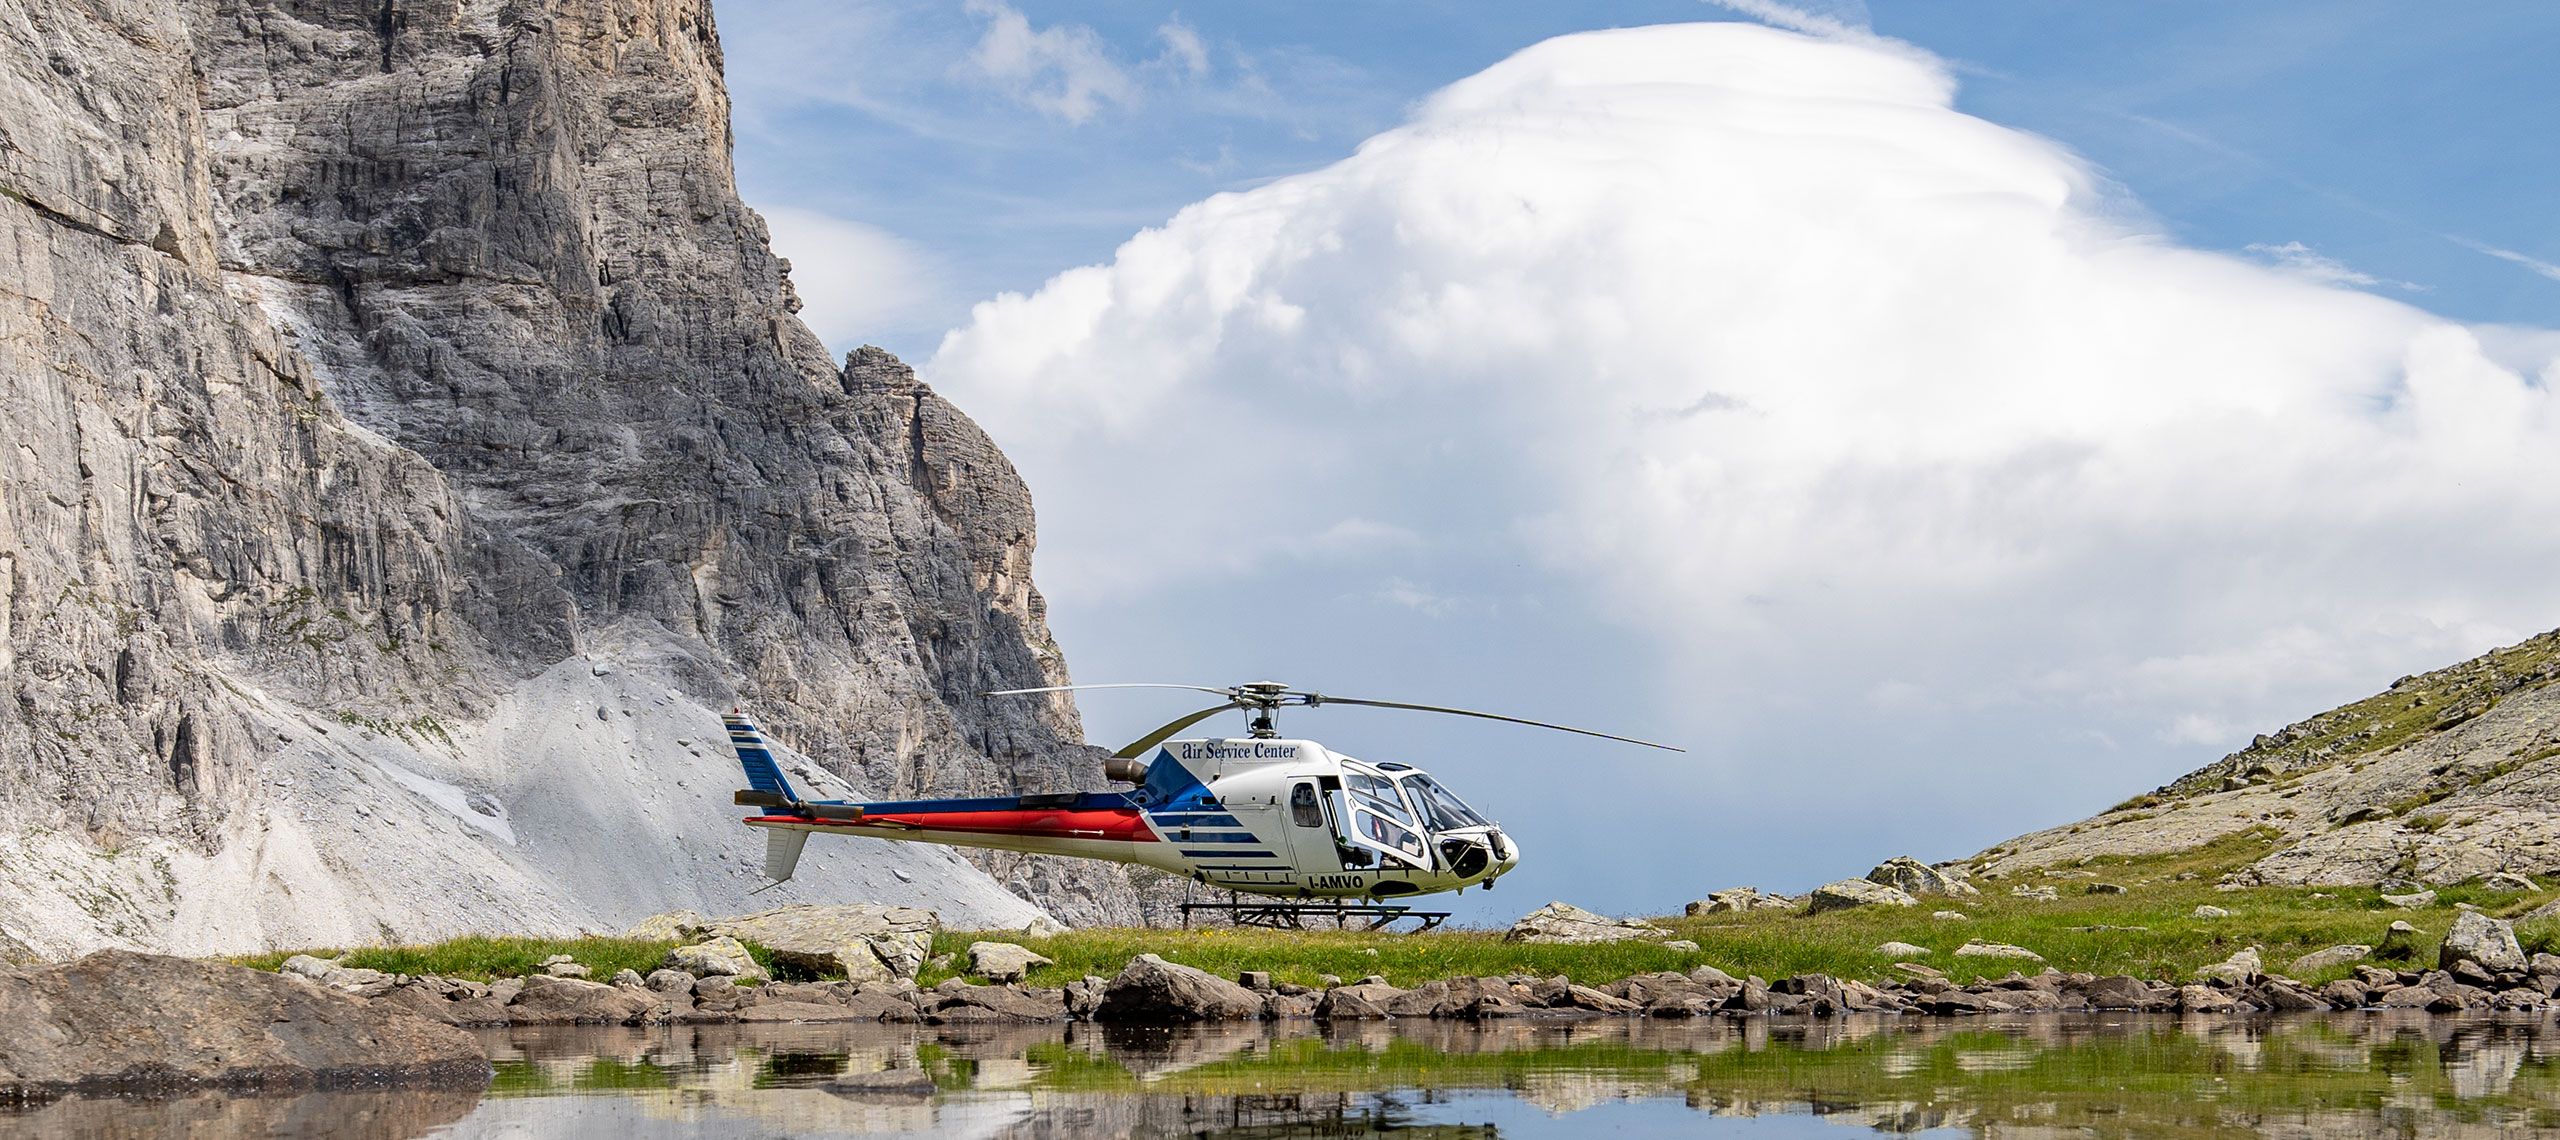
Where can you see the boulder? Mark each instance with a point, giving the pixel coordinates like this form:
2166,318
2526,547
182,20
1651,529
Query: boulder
1366,1001
2240,969
2103,889
1913,877
2488,942
1003,961
1584,997
453,1003
548,1000
1902,950
1978,948
860,941
346,980
722,957
669,982
2209,911
2508,881
672,926
1850,893
2318,960
2401,943
1560,922
1152,990
957,1001
1288,1007
1739,900
1681,946
630,977
1258,981
2121,991
2415,900
2034,894
1949,916
1084,995
2205,999
116,1023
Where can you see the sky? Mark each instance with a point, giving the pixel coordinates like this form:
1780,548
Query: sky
1943,420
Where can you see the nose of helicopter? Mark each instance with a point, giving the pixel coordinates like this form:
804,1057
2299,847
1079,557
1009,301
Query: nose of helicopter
1506,853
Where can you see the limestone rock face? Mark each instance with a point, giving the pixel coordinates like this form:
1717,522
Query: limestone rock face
115,1022
1565,922
371,391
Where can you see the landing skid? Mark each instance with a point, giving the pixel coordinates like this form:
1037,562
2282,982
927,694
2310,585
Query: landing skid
1282,914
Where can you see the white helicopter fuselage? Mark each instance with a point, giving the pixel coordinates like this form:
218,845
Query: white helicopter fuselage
1266,816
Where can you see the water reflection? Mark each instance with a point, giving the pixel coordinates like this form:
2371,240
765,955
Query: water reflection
2326,1075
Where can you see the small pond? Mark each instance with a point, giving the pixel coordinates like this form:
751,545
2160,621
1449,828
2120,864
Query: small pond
2345,1075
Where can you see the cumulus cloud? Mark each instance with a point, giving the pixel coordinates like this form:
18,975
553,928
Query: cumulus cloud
1063,70
1752,343
855,281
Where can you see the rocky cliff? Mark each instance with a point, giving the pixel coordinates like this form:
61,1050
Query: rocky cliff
406,447
2444,777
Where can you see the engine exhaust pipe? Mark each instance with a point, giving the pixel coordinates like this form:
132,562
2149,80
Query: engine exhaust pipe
1125,769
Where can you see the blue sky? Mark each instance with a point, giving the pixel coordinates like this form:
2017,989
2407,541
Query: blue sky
2383,135
1917,545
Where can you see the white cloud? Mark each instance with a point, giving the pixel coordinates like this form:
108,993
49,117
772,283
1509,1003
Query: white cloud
856,282
1063,70
1754,343
1412,596
2537,265
1183,49
2311,263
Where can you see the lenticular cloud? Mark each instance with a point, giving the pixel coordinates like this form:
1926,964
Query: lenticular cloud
1752,340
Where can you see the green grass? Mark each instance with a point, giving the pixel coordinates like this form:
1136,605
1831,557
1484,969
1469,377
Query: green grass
2148,931
481,957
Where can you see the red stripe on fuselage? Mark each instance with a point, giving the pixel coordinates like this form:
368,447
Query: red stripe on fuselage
1127,826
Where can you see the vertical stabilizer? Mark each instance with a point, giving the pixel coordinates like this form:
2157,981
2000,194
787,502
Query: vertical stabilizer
763,775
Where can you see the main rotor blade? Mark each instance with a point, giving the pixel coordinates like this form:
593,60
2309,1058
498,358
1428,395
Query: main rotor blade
1316,699
1140,746
1118,685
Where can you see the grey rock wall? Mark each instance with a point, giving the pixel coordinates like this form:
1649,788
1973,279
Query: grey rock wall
361,363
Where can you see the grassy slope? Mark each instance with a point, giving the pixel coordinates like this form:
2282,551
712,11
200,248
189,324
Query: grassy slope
2148,931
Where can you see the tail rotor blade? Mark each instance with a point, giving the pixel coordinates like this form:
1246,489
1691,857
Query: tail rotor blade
1315,699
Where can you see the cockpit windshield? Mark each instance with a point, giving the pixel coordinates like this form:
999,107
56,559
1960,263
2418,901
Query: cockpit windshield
1439,806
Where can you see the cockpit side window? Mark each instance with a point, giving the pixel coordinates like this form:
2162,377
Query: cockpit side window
1303,808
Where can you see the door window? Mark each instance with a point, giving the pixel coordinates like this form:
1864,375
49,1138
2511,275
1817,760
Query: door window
1303,808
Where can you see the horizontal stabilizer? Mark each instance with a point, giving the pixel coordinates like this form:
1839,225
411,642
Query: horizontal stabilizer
782,852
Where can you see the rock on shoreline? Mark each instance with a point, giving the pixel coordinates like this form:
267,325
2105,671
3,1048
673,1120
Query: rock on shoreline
117,1023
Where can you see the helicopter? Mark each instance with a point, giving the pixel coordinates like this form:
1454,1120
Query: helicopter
1262,814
